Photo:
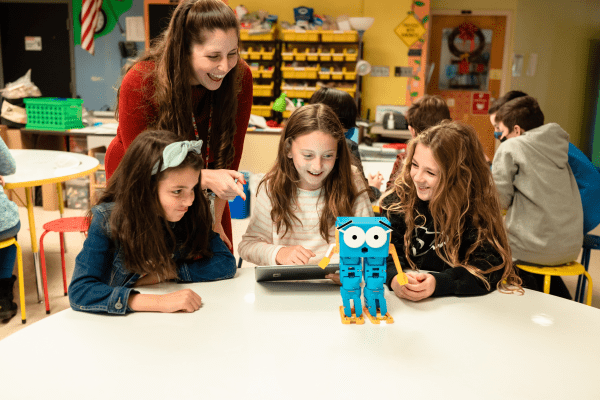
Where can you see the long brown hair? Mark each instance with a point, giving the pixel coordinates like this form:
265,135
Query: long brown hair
281,182
465,192
138,221
192,21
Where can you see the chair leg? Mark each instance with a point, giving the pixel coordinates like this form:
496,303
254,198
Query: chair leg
590,287
21,283
547,284
62,258
44,278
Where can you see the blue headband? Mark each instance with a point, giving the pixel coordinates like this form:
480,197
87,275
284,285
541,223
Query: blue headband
175,153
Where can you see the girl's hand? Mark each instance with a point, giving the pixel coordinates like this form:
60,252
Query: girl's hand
182,300
2,183
335,278
218,228
375,180
419,286
222,183
294,255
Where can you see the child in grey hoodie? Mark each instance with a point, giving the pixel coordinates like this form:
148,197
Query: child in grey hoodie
536,185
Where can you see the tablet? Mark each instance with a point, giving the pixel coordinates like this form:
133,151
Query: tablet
293,272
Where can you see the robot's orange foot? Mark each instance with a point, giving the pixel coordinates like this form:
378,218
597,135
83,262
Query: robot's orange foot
353,319
375,319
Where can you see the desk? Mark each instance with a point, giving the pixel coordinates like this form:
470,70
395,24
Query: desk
286,341
403,135
35,168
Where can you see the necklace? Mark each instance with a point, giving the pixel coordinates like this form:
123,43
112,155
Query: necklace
210,114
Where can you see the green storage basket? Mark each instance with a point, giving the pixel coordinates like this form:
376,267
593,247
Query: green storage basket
53,113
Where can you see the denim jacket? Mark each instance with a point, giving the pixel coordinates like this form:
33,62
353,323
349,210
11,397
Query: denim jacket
102,284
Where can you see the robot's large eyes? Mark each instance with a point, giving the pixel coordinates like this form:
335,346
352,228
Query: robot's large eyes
354,237
376,237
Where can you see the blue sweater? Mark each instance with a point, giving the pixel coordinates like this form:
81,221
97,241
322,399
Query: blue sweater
9,212
588,182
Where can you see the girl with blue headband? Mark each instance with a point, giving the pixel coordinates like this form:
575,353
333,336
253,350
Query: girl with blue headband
152,224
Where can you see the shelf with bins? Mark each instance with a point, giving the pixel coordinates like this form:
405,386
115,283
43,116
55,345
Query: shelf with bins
261,52
312,59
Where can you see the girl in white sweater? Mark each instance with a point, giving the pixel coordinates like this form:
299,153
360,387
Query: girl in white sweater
311,184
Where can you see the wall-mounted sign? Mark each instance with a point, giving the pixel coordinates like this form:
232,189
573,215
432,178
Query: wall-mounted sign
380,70
33,43
481,103
410,30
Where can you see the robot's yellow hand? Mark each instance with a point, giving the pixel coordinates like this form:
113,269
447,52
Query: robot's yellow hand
401,277
324,262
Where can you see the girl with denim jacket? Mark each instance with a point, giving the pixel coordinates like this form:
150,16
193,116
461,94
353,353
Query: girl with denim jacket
9,227
153,223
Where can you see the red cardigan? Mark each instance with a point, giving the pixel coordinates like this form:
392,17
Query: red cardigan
137,109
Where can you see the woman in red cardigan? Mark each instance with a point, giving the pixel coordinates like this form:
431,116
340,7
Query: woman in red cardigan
193,82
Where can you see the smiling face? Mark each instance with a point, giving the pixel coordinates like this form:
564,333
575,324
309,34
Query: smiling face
314,156
176,192
424,172
213,59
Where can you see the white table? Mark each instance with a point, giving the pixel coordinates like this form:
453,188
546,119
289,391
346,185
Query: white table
39,167
286,341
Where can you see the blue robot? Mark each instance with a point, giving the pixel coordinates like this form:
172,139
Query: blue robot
363,244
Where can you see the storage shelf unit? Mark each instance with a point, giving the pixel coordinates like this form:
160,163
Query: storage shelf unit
326,57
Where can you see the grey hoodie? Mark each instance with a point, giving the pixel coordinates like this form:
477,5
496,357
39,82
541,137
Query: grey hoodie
537,187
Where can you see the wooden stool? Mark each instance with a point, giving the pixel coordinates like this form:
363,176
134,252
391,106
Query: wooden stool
61,225
570,268
10,242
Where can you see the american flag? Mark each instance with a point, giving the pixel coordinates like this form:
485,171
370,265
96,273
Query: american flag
89,21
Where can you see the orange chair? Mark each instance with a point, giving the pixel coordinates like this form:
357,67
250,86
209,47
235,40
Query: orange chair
61,225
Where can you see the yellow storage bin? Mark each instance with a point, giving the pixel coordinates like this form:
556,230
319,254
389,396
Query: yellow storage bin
255,71
324,56
337,56
351,90
325,74
253,55
263,90
263,111
267,73
299,55
290,35
266,54
245,34
349,75
286,114
337,75
339,36
244,54
350,56
287,55
312,56
299,72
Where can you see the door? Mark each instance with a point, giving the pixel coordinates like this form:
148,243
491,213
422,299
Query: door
36,36
468,53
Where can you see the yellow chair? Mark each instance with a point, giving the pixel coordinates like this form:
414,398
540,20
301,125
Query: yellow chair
569,269
10,242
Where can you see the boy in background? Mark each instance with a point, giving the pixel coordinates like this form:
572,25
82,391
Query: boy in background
586,174
531,170
426,112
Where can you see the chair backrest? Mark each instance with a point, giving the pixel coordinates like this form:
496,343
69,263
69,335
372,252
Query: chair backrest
591,242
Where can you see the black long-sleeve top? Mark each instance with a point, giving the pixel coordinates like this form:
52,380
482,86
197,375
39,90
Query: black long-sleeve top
449,280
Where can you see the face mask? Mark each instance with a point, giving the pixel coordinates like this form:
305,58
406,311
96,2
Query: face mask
497,135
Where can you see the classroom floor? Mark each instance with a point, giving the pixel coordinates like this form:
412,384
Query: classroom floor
74,241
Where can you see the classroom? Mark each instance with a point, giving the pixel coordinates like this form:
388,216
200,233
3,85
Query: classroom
455,144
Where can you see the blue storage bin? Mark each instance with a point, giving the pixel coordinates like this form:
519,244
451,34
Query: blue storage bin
239,208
